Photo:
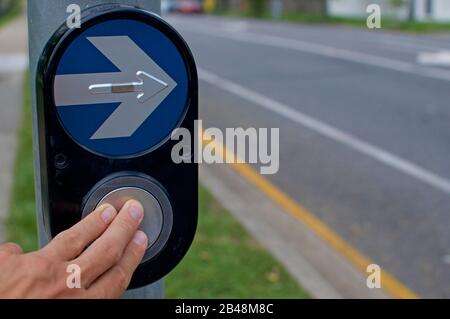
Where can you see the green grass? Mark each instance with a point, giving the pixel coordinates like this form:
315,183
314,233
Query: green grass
12,13
224,261
310,18
21,222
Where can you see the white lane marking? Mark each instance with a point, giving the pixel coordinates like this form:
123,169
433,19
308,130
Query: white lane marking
328,131
394,48
446,259
421,42
409,46
441,58
410,41
330,52
234,26
13,62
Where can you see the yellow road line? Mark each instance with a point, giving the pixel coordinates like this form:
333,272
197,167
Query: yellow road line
389,283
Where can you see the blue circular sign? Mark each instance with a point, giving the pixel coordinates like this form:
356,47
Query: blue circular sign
121,88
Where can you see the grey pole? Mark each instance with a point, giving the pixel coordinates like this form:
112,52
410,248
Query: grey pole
277,9
44,18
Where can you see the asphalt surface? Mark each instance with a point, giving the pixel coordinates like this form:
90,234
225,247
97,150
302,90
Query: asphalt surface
387,194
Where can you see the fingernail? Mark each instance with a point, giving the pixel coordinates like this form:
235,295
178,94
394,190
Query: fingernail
108,214
136,211
140,238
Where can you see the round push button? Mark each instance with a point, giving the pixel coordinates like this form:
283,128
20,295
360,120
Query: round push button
152,223
158,218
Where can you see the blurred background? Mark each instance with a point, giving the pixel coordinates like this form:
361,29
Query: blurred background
364,174
316,10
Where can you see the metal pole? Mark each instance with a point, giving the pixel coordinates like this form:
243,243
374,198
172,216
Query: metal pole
412,10
277,9
44,18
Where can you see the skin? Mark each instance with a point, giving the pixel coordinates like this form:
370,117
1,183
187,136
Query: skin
106,245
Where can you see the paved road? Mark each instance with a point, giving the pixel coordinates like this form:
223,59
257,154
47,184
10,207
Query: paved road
13,61
365,134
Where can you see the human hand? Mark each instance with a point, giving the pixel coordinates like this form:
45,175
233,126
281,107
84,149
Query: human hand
115,248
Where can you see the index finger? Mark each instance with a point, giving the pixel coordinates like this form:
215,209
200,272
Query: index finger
107,250
70,243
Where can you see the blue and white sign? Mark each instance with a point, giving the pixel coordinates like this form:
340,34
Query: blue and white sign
120,88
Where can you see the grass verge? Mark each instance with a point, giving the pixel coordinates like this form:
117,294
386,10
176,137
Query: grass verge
224,261
12,13
309,18
21,221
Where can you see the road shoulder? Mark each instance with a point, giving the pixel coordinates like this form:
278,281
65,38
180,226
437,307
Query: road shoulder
317,267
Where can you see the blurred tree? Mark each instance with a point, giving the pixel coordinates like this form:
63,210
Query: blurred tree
398,3
257,8
7,5
306,6
209,5
222,5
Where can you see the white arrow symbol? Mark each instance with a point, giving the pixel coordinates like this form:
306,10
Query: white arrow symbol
145,87
138,99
